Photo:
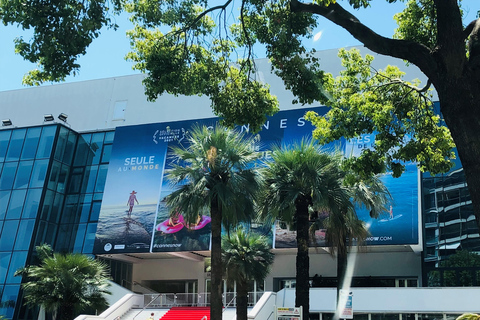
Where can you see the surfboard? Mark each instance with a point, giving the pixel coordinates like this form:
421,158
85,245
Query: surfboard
391,219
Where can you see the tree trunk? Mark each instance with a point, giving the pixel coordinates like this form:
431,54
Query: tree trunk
459,103
65,312
242,300
341,269
302,289
216,302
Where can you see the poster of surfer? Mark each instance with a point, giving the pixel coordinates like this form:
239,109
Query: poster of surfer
132,187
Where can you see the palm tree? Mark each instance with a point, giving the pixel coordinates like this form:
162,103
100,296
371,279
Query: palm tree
299,178
65,285
214,173
245,256
343,225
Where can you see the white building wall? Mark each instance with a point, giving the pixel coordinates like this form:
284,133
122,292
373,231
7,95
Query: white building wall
170,269
91,105
375,264
120,101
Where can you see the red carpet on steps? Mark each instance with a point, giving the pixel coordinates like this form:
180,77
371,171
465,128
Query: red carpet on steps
186,313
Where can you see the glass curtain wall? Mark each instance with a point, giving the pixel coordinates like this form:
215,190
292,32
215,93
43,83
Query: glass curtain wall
51,186
449,222
24,162
84,193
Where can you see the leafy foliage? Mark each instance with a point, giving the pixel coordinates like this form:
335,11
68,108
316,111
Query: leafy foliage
364,100
213,172
214,165
469,316
62,30
303,182
246,256
190,60
66,285
418,22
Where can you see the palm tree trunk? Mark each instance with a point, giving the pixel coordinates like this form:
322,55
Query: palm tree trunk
216,302
242,300
65,312
302,289
341,271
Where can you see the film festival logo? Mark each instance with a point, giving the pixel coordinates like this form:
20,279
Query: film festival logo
169,135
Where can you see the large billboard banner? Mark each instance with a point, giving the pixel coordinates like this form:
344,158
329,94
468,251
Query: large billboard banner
134,216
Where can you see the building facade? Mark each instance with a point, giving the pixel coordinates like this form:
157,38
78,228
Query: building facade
54,178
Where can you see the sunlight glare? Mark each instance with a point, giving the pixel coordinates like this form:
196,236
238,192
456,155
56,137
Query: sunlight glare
318,35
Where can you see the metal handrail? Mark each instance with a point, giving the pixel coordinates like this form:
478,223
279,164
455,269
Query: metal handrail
226,306
145,306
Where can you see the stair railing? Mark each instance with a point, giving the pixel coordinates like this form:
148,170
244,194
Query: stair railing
145,306
226,306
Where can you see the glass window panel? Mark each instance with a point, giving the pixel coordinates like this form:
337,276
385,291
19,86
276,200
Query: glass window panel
16,144
97,146
69,147
107,151
46,142
9,297
101,178
70,210
16,204
61,143
89,238
41,230
4,141
8,175
54,172
23,174
4,263
85,211
75,183
4,198
95,210
109,136
62,178
50,233
39,173
91,173
47,205
82,228
57,208
24,234
9,233
31,204
17,262
66,233
82,152
31,143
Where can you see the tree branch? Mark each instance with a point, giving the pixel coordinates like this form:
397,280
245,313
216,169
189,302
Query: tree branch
450,40
413,52
201,15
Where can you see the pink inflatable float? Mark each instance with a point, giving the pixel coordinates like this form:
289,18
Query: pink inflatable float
166,228
203,222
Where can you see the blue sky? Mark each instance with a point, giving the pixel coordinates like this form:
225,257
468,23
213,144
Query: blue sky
105,57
